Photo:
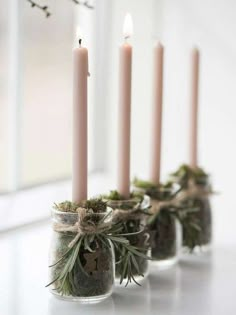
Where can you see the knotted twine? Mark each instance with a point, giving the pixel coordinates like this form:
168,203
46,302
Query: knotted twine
193,191
82,226
134,213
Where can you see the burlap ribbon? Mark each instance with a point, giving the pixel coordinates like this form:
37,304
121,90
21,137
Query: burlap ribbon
82,226
193,191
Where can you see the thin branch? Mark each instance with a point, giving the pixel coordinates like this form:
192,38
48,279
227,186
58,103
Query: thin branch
44,8
84,3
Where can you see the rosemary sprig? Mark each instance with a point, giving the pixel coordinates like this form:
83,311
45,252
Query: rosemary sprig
184,214
72,262
130,257
196,224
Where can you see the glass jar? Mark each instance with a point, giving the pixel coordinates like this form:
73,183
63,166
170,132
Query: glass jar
164,232
203,219
164,229
91,277
132,224
203,214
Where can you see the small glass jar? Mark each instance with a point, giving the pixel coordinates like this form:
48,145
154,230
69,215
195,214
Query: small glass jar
164,229
92,276
133,224
203,218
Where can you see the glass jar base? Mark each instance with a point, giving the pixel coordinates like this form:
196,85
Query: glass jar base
198,250
164,264
82,299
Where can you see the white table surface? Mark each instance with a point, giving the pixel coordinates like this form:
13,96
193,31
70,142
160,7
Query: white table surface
199,285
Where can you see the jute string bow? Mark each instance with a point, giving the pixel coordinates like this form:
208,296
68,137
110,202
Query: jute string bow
193,191
83,226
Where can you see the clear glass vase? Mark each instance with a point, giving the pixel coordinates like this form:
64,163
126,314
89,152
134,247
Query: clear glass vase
164,229
203,217
165,237
133,224
92,276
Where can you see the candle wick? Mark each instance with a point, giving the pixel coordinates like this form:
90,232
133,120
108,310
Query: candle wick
80,42
126,38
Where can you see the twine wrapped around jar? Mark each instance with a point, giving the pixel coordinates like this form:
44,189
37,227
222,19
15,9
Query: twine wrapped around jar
82,226
193,191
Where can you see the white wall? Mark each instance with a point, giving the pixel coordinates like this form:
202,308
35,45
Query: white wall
211,25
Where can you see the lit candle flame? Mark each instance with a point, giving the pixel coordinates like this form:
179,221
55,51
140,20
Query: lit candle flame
128,26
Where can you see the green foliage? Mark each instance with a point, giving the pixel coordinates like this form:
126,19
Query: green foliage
134,230
69,270
185,214
114,195
143,184
186,173
96,204
165,191
195,215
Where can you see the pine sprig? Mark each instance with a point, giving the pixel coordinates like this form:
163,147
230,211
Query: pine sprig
65,267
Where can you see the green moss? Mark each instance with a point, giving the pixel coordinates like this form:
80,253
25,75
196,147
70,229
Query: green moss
164,191
114,195
96,204
185,173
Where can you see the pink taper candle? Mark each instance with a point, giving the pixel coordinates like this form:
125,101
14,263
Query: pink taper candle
125,69
80,168
157,115
194,108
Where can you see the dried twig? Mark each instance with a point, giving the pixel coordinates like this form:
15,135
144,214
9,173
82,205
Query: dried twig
85,3
44,8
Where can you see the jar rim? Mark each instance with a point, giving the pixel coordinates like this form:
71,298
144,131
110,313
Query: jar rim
55,211
145,198
174,187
